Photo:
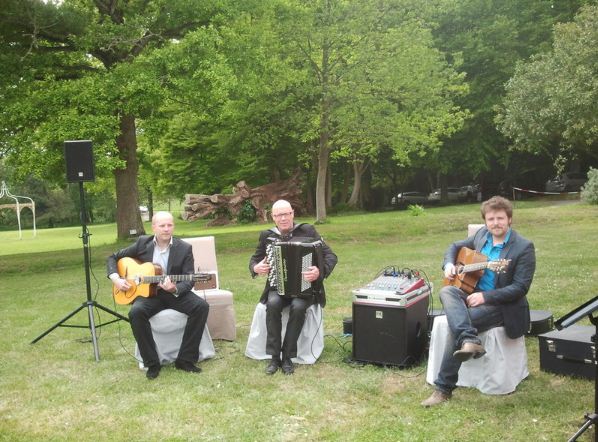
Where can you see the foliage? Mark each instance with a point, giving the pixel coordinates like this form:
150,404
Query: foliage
79,70
551,104
247,214
589,191
415,210
487,39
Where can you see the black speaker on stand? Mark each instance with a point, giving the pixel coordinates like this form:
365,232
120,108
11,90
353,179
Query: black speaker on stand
79,168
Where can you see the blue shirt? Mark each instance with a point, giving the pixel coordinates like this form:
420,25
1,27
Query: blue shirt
488,279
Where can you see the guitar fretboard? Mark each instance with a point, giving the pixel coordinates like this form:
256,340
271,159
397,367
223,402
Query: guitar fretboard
474,267
174,278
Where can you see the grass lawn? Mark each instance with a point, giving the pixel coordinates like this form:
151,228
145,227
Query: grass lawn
54,389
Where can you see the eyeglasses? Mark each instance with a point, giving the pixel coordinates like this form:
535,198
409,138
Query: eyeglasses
282,215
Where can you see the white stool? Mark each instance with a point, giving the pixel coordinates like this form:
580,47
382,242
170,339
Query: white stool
167,328
499,371
309,345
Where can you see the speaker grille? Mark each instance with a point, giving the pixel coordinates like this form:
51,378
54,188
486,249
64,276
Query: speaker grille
78,156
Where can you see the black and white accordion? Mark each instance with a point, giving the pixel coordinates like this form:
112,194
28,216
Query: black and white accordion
288,260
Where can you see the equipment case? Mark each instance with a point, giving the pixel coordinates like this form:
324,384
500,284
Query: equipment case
569,351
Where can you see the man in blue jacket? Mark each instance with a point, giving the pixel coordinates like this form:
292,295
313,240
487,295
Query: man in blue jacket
498,299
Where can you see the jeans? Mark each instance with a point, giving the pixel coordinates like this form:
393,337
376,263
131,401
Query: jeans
464,324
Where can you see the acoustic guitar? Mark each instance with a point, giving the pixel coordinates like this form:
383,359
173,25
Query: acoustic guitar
470,266
144,279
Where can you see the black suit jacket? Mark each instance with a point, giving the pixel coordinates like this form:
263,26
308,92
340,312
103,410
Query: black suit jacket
512,285
180,259
299,231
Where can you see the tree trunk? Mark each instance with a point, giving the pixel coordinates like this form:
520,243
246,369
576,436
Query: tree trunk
128,218
329,187
345,187
358,168
324,143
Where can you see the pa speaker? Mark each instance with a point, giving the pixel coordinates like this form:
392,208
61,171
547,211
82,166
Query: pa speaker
79,161
389,334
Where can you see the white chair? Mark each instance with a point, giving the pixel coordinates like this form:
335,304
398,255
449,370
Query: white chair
309,345
167,329
499,371
168,325
221,319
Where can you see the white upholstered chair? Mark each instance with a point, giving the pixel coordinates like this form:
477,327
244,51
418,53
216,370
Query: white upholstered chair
309,345
167,329
499,371
221,319
168,325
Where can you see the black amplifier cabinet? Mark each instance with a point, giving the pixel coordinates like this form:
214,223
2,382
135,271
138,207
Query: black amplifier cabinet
385,332
569,351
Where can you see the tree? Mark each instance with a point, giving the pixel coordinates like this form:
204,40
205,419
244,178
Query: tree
551,104
79,69
488,38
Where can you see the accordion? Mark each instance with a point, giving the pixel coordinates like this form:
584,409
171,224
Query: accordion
287,261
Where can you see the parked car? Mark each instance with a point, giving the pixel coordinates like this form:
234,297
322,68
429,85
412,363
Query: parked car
403,199
454,194
567,182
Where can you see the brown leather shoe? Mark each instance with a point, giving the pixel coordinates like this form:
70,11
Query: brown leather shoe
438,397
469,350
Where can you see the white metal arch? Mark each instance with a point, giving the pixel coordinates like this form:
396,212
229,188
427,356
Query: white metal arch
17,206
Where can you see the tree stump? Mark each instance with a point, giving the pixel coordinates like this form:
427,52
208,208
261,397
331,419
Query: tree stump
226,208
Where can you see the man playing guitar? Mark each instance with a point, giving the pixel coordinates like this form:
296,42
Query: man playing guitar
175,256
497,299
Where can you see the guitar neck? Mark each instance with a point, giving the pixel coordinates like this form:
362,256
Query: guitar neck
174,278
475,267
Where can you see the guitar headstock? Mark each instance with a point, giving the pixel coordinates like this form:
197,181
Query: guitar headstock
499,266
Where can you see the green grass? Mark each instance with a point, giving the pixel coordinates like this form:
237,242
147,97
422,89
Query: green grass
54,390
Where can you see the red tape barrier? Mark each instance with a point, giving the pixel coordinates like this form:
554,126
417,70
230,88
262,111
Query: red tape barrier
543,193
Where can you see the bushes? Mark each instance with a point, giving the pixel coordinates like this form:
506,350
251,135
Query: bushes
589,191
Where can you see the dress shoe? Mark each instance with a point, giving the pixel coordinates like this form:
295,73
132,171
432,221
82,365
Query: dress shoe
273,366
153,371
287,366
469,350
187,366
438,397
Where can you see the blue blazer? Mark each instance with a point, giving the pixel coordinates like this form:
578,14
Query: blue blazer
512,285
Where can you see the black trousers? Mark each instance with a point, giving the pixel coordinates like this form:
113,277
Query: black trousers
274,306
143,309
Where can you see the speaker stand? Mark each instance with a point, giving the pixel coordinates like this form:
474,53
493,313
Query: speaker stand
89,304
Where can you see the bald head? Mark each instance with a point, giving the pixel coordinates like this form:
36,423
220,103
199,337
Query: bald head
283,216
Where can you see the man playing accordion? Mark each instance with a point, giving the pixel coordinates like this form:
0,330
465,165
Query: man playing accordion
261,263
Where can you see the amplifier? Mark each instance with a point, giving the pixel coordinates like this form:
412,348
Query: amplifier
388,333
399,290
569,351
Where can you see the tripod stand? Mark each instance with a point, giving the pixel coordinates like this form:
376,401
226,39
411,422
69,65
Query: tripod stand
89,303
570,318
